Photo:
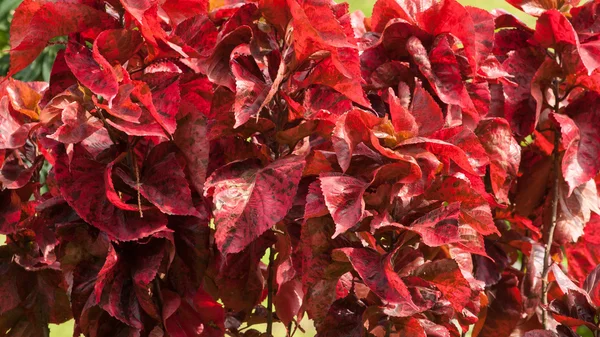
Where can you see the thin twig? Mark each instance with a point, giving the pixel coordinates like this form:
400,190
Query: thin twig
270,292
554,216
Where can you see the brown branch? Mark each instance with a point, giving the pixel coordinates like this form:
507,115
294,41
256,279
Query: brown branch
554,216
270,292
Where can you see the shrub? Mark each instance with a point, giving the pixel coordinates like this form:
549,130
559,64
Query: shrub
424,172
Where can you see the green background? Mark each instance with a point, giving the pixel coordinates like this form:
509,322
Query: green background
40,70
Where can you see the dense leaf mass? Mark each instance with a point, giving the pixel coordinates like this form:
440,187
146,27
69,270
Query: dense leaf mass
195,168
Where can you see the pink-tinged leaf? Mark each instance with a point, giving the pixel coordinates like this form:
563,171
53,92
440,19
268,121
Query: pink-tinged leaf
13,134
386,10
592,285
249,200
315,202
447,277
553,30
450,17
538,7
288,300
442,71
250,89
403,121
344,318
316,246
438,227
163,183
92,72
344,199
520,107
377,272
181,10
166,102
77,125
81,182
504,152
579,164
348,84
574,211
466,140
192,140
426,111
37,26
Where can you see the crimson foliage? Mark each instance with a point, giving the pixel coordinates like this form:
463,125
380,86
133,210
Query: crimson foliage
417,173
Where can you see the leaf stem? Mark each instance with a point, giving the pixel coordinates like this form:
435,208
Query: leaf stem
554,215
270,292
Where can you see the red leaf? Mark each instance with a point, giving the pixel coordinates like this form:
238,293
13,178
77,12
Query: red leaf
250,200
378,274
192,140
448,278
578,163
166,103
13,134
402,119
344,199
118,45
442,71
553,30
475,211
92,70
426,111
36,25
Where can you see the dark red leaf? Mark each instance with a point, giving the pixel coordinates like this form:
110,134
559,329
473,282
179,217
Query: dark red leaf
377,273
92,70
344,318
82,184
344,199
